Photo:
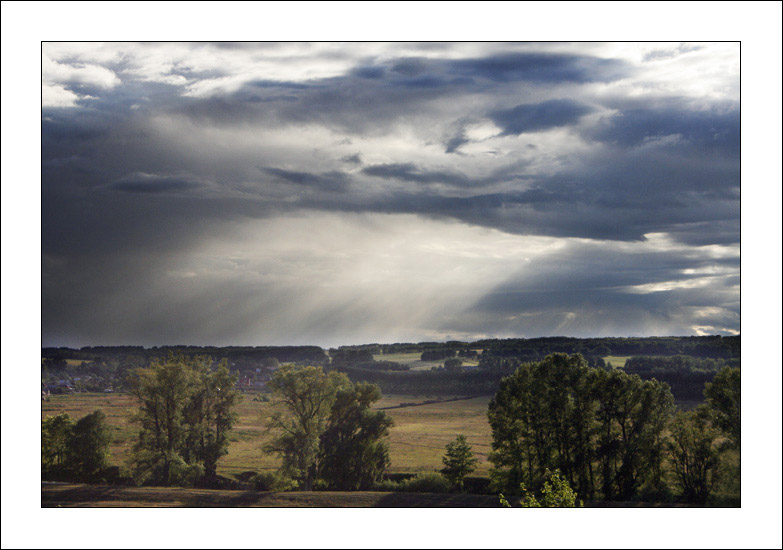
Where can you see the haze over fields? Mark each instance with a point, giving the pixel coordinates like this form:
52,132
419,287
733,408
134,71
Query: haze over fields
339,193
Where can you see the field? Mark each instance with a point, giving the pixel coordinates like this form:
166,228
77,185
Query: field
413,359
54,495
617,361
416,443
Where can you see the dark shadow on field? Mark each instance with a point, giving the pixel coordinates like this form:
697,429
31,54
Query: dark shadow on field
436,500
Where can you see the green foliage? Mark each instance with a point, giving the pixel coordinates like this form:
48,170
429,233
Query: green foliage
273,481
89,446
556,493
185,415
458,462
55,436
325,430
724,403
304,398
75,451
600,429
693,456
354,452
426,483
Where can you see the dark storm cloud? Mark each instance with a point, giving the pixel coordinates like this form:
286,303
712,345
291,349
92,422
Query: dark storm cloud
329,181
154,183
542,68
539,116
708,130
409,172
138,176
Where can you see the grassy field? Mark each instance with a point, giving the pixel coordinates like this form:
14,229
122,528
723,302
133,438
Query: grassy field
416,443
617,361
413,359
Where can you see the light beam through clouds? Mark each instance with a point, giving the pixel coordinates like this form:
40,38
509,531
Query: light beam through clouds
343,193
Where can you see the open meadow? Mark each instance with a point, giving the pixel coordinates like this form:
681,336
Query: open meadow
413,360
416,442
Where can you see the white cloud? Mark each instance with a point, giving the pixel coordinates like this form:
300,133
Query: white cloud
57,96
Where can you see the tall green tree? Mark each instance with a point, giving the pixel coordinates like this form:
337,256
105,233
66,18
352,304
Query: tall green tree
723,397
209,415
88,448
354,452
185,416
694,458
55,436
458,462
303,401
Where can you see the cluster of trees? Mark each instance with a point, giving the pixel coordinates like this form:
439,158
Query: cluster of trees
186,414
686,375
537,348
605,431
326,431
438,354
76,450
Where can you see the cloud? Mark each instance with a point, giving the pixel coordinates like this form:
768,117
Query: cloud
409,172
140,182
330,181
539,116
542,68
272,193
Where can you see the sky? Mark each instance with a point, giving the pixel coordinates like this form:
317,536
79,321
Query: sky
345,193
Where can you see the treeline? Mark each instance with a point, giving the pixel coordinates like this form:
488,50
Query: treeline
475,382
725,347
610,434
102,367
685,375
536,348
284,354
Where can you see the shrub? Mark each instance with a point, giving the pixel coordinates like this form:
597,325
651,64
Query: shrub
246,476
386,485
273,481
427,483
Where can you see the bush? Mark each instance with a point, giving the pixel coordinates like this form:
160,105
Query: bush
246,476
386,485
273,481
427,483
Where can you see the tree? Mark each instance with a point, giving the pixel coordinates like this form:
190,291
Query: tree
452,364
185,416
88,448
693,456
458,462
76,451
55,436
303,398
209,416
723,400
599,429
555,493
354,453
